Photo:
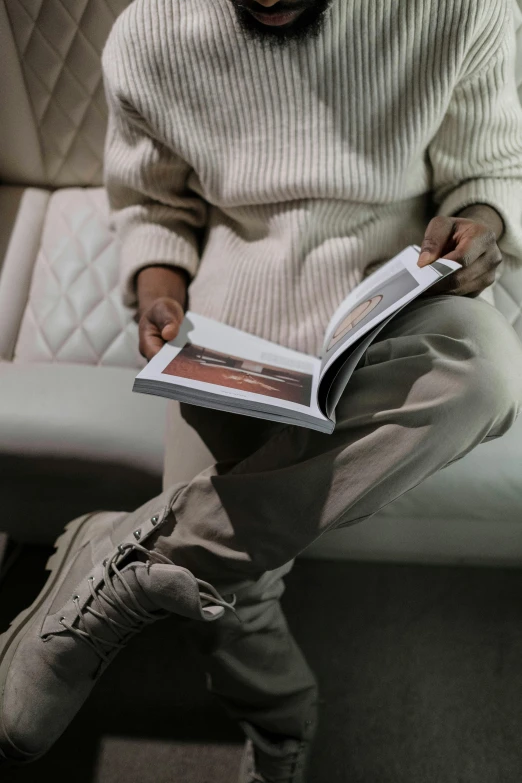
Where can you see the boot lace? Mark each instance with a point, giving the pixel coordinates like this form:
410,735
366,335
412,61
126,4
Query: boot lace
133,617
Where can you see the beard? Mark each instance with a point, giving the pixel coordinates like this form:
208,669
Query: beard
309,24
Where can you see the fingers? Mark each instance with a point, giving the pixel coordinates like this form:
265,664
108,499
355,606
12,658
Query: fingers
474,245
469,243
468,281
437,240
159,324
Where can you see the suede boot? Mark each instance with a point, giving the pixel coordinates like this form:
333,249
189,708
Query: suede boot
104,587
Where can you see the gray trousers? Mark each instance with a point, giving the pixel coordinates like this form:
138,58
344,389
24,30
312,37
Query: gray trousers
442,377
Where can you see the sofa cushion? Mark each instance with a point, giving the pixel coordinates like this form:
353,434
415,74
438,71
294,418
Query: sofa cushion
20,154
79,412
74,439
59,44
74,311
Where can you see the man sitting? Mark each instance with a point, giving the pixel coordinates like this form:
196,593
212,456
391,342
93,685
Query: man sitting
266,153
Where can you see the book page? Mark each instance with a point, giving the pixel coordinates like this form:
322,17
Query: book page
217,359
387,290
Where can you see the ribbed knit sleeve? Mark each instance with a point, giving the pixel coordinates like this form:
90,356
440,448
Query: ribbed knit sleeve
152,211
476,154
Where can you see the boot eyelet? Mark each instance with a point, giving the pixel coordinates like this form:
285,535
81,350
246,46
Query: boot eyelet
76,597
91,579
154,519
121,549
104,562
137,534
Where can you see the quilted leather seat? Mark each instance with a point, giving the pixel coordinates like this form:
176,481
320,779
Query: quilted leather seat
74,437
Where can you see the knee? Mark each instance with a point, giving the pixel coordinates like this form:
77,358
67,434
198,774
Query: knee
487,395
497,394
481,357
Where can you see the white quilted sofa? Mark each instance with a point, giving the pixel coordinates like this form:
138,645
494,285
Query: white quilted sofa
73,435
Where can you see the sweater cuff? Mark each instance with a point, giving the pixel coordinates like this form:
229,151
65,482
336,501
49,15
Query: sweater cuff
154,244
505,196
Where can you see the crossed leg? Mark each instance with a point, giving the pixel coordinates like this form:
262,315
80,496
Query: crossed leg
443,376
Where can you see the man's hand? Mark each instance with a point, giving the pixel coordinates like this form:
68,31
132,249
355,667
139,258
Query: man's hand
472,241
162,295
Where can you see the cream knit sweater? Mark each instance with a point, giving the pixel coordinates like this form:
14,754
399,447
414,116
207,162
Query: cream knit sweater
276,176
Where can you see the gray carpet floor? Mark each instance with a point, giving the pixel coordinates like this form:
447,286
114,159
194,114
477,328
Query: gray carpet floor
420,671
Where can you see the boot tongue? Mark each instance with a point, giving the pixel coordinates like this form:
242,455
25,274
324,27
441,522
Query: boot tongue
176,590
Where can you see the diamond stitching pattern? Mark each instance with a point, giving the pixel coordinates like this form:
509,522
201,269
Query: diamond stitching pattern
74,311
59,44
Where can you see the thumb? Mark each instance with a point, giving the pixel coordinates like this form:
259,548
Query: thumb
436,240
170,330
168,315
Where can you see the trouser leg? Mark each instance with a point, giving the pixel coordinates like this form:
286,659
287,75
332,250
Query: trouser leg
444,376
253,664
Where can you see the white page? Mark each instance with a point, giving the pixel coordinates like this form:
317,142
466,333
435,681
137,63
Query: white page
256,366
389,288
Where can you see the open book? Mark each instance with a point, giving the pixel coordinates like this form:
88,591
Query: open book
217,366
